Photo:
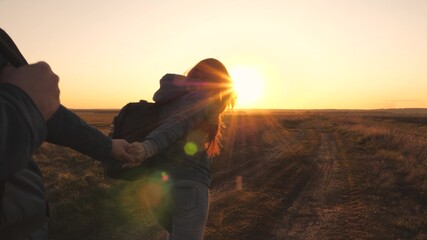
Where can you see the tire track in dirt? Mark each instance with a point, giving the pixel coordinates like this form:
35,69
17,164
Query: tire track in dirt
329,204
269,181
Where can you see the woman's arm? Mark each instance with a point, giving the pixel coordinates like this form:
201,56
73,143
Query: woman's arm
194,108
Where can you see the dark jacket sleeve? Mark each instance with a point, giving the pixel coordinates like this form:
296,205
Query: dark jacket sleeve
193,109
65,128
22,129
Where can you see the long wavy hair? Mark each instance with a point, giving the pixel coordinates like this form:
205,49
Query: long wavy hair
214,75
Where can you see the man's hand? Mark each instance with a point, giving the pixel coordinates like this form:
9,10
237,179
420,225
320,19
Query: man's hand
39,82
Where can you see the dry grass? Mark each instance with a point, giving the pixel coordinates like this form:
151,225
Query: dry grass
399,146
393,153
263,180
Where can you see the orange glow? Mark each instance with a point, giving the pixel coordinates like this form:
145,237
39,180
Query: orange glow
281,54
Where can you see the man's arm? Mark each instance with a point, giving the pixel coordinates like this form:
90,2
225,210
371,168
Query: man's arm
65,128
48,103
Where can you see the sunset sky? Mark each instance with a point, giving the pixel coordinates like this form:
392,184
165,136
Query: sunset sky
354,54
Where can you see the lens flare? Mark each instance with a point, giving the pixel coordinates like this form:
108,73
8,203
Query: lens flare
165,176
190,148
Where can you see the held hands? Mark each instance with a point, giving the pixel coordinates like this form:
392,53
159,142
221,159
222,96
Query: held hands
119,150
139,153
133,154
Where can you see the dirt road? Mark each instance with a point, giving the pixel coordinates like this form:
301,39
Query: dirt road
300,189
329,206
315,181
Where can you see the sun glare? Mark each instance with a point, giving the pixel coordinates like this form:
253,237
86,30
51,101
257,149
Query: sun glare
248,84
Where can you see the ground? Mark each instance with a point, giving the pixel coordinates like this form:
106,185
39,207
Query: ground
281,175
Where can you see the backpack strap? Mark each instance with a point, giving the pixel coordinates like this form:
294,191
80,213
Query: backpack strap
9,51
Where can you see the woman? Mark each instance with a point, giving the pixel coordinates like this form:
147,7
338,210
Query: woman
179,175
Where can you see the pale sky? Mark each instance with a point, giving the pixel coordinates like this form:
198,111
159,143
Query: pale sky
305,54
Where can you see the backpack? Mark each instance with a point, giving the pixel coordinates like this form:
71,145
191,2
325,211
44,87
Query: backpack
135,121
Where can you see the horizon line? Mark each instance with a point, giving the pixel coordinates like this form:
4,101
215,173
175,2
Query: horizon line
275,109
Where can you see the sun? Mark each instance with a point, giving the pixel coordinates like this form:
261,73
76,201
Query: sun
248,84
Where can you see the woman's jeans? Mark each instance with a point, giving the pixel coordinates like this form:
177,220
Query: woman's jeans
181,208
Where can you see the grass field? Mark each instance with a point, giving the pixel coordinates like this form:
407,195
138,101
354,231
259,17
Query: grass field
281,175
